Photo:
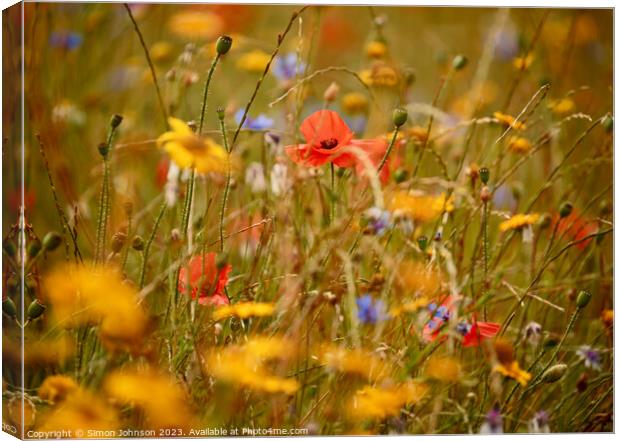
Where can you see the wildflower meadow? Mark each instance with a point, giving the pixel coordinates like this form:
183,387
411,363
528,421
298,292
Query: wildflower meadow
283,220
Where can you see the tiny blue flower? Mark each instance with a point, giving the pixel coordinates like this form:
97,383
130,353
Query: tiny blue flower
369,312
378,220
261,122
591,357
286,68
65,40
442,313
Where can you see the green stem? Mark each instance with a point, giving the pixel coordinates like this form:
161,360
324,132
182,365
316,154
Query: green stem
227,187
147,248
206,92
332,198
389,150
485,252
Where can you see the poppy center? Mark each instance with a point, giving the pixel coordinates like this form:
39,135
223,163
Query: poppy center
329,143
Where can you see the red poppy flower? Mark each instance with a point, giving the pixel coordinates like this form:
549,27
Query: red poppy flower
205,279
329,139
574,228
473,333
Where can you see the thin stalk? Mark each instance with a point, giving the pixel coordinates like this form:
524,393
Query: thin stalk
485,252
206,92
389,150
227,187
147,248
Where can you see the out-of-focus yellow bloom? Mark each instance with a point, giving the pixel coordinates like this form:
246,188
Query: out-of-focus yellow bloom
161,51
253,61
410,306
196,24
607,316
418,133
379,75
416,279
444,369
244,310
83,294
562,106
523,63
188,150
162,400
354,103
244,365
353,361
519,144
80,412
376,49
56,388
377,402
422,208
508,121
519,221
506,363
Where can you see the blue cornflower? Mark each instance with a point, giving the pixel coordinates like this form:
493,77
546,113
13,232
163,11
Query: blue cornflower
493,422
286,68
261,122
369,312
463,328
65,40
378,220
591,357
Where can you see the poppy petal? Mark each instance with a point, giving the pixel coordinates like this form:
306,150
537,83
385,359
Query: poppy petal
325,125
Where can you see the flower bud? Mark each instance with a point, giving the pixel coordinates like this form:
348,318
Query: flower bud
221,113
34,248
8,307
551,341
554,373
399,117
35,310
116,120
484,174
9,247
608,123
459,62
400,175
223,44
485,194
51,241
566,209
103,149
583,298
582,382
422,242
137,243
118,240
331,93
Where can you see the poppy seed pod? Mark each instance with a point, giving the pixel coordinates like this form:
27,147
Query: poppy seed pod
35,310
116,120
103,149
8,307
545,221
34,248
459,62
51,241
220,113
399,117
484,174
137,243
551,341
566,209
583,299
400,175
422,242
485,194
608,123
554,373
118,240
223,44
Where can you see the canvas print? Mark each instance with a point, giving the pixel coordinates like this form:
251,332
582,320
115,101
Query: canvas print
298,220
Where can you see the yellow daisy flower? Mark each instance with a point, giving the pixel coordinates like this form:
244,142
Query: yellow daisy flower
376,49
56,388
352,361
519,221
518,144
507,365
379,403
244,310
523,63
253,61
188,150
354,102
508,121
562,106
422,208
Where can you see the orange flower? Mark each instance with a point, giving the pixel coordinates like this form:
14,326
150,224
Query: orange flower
329,139
205,279
575,228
